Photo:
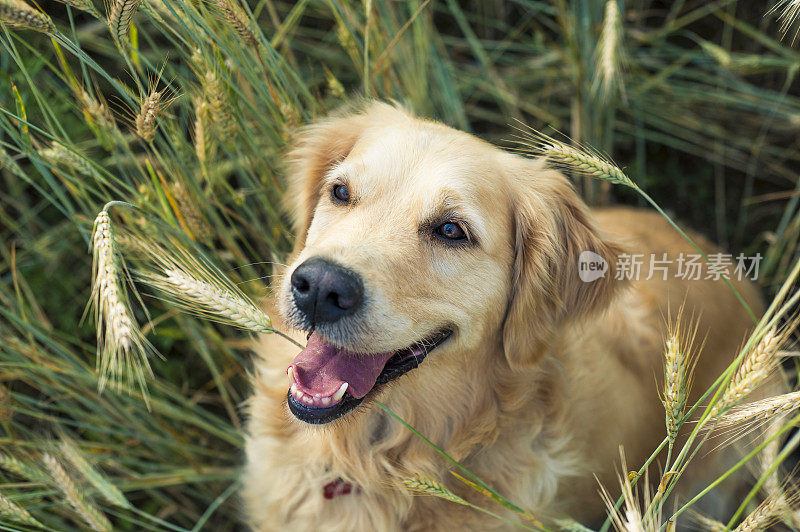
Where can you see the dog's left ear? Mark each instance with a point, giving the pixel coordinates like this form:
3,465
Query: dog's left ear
553,228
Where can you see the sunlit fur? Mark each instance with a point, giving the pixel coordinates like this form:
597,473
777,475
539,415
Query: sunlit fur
545,375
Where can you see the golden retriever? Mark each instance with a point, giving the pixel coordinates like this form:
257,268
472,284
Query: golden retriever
440,275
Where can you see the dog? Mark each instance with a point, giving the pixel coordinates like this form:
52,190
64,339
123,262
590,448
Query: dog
440,275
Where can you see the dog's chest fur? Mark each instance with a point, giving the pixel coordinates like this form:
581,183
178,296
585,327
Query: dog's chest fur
290,466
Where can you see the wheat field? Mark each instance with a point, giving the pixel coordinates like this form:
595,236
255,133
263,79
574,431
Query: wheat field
141,181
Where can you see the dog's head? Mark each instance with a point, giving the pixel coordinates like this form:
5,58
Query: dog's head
417,240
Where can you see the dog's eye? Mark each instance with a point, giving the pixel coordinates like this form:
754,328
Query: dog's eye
451,232
341,193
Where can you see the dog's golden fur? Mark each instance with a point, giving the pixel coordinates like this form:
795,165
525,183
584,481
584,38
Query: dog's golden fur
545,375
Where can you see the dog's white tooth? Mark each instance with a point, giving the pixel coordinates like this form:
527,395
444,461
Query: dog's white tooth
308,400
340,392
326,400
293,388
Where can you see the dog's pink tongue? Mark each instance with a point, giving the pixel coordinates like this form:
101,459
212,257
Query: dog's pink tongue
322,368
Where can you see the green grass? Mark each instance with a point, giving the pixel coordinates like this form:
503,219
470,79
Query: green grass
701,107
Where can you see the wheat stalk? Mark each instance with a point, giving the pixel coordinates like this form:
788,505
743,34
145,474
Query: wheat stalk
18,13
219,106
103,486
583,161
100,120
762,410
120,13
609,51
203,140
196,223
237,20
675,386
17,513
20,468
6,161
208,298
146,118
200,289
90,514
83,5
766,513
122,349
431,487
59,155
755,367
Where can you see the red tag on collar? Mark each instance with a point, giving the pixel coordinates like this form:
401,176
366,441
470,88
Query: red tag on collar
337,487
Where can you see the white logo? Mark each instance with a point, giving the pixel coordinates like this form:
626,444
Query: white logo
591,266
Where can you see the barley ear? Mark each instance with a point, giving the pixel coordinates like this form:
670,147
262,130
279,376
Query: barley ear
580,160
109,491
145,120
755,367
120,13
426,486
19,14
123,351
17,513
609,57
237,20
83,5
85,508
200,288
767,513
675,387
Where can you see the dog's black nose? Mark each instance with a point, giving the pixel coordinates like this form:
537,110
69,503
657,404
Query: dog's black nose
325,291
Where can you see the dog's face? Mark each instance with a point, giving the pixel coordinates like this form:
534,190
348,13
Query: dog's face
412,243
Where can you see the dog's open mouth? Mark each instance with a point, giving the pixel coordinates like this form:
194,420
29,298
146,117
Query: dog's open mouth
327,382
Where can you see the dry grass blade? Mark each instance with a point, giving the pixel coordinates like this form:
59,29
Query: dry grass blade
90,514
16,513
200,289
120,14
430,487
122,349
237,20
18,13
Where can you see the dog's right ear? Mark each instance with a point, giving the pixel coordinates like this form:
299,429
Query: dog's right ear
315,150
